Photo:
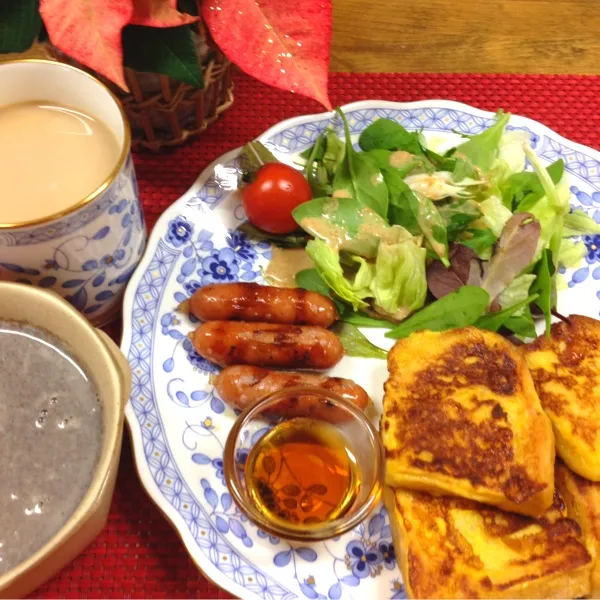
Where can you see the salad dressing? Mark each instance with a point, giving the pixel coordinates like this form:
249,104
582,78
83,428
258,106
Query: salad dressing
285,264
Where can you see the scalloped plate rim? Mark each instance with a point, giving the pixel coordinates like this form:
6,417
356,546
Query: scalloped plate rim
142,468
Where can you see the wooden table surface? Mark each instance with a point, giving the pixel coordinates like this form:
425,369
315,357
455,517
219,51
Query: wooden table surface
469,36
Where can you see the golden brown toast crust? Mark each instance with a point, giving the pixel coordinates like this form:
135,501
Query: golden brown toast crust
582,498
455,548
566,372
461,417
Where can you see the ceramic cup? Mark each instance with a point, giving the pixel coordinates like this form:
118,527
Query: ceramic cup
88,252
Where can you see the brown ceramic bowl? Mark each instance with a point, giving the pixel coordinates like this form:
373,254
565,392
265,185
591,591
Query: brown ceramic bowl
99,355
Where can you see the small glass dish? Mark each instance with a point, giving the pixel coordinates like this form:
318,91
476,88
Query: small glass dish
321,411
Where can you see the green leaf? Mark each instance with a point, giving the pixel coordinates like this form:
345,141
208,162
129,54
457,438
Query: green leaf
522,325
359,177
480,241
169,51
544,287
390,135
288,240
322,161
494,321
347,224
431,224
355,343
557,206
327,264
457,215
334,152
458,309
482,149
254,155
401,203
362,320
309,279
521,191
578,222
19,24
399,284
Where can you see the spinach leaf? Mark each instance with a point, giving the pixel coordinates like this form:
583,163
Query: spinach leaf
522,325
480,240
495,320
482,149
400,210
463,168
346,224
457,215
314,170
458,309
355,343
390,135
296,239
309,279
254,155
417,214
431,224
441,163
334,152
362,320
544,286
324,158
359,177
521,191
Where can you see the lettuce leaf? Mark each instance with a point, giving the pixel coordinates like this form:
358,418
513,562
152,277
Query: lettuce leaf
399,285
516,292
494,215
327,264
578,222
482,149
571,252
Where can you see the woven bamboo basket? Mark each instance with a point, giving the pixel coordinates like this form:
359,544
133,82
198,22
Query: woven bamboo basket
164,112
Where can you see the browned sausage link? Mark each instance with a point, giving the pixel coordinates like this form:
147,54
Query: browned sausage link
262,303
243,385
267,345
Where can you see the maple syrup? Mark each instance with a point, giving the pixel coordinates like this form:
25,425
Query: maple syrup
302,473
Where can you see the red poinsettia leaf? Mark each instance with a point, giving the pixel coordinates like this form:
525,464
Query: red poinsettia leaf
159,13
283,44
90,32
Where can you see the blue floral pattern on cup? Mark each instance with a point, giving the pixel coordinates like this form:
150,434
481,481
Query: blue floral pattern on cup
179,423
87,256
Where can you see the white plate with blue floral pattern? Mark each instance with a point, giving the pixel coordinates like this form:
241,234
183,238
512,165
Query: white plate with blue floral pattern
178,423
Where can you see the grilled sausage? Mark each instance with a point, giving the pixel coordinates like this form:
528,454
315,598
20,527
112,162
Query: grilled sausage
267,345
242,386
262,303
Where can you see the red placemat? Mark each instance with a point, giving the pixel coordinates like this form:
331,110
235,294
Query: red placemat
138,554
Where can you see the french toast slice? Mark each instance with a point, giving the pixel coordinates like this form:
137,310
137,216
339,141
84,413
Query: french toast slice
449,547
461,417
566,372
582,498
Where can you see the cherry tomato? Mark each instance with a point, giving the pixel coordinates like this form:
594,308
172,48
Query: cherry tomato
270,199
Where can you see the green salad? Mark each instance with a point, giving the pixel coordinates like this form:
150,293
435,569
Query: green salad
406,237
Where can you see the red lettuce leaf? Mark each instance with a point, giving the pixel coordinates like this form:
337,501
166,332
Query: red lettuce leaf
283,45
89,31
465,269
514,251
